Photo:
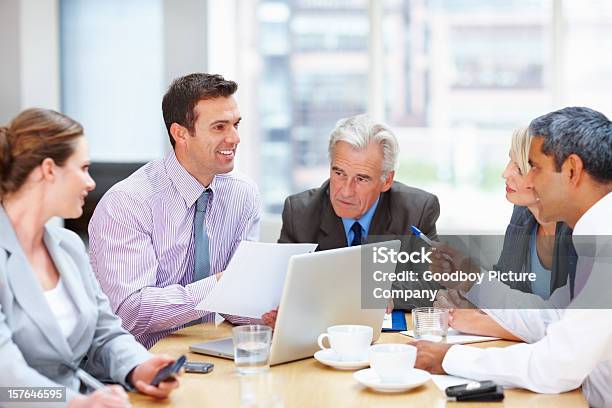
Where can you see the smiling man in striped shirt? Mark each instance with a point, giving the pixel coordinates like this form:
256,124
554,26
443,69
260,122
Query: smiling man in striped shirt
160,238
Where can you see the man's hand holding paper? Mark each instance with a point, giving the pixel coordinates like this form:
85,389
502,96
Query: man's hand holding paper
253,281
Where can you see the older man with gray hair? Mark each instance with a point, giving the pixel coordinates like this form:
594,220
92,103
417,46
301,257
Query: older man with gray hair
360,198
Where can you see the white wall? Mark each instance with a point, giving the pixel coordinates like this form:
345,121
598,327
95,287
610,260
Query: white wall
29,45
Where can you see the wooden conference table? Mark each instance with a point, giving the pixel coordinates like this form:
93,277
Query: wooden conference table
308,383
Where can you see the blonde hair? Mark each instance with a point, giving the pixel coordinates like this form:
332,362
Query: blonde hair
521,140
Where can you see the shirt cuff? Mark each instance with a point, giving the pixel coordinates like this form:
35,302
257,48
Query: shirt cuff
459,360
138,356
200,289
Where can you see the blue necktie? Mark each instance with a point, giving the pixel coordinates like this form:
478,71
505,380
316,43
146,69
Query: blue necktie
356,228
202,257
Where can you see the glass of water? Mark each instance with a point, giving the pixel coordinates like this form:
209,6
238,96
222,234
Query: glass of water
430,323
252,348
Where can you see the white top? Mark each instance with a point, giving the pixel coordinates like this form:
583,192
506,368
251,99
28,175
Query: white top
63,308
576,348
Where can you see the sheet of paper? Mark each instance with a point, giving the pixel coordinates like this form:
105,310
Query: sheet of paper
456,337
445,381
253,281
387,321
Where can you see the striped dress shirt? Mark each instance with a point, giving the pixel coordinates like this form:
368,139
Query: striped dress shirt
142,246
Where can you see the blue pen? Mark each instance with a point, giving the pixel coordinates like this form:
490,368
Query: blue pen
424,237
428,241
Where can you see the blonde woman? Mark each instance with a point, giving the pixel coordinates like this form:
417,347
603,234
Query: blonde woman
530,245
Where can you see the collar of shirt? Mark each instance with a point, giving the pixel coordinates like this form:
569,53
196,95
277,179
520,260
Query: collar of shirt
188,186
596,220
364,221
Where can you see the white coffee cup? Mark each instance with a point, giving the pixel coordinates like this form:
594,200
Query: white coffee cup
350,342
392,362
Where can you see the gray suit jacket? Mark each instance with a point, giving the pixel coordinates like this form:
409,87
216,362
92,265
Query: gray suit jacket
310,217
515,255
33,351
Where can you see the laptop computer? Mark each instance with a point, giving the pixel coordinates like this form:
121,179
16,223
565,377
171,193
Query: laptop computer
321,289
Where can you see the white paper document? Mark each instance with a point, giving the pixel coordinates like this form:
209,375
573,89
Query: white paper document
456,337
387,321
253,282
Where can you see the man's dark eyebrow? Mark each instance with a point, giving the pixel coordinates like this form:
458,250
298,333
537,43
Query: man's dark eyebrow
364,176
217,122
336,168
225,121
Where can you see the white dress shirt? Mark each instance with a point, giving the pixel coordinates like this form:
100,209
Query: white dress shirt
576,348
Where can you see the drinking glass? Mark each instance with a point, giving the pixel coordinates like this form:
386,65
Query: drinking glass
430,323
252,348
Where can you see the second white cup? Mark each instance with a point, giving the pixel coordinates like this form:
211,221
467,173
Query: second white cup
392,362
350,342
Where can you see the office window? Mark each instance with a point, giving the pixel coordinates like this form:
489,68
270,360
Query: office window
458,77
588,54
314,70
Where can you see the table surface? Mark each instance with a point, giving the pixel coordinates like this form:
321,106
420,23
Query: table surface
308,383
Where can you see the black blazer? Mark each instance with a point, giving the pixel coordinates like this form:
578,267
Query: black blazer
515,255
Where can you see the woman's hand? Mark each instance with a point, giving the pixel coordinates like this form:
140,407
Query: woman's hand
471,321
475,321
447,259
113,396
143,374
452,299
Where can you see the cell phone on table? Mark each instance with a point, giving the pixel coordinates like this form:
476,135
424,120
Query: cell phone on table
197,367
169,371
476,391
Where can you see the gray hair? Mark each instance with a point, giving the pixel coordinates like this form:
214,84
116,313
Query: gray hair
360,131
581,131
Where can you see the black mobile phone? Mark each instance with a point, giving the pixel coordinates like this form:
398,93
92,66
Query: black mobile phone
476,391
197,367
474,387
169,371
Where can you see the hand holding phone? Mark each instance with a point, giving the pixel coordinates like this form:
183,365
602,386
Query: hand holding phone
169,371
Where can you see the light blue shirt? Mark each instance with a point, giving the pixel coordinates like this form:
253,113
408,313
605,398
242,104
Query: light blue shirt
364,222
541,285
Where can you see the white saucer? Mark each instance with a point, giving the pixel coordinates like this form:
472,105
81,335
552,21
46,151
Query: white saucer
369,378
330,358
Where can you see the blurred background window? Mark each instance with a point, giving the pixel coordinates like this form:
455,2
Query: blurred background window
457,77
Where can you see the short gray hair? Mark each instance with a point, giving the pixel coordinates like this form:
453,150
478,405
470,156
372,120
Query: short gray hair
360,131
581,131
